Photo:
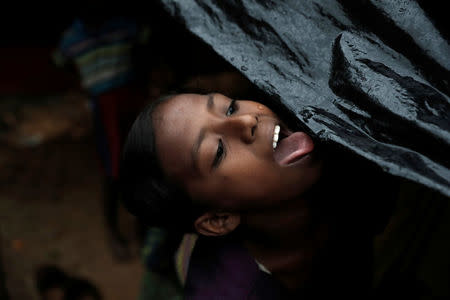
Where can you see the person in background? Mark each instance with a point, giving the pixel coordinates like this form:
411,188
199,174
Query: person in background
103,51
53,283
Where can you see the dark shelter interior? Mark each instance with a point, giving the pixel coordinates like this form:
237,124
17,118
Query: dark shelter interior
368,81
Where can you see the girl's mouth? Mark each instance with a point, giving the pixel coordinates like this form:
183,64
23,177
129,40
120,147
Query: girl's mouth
289,147
279,132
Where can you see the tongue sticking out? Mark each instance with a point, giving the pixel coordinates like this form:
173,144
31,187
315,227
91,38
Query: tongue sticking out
292,148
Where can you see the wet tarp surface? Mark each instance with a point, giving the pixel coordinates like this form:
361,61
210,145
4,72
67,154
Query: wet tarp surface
372,76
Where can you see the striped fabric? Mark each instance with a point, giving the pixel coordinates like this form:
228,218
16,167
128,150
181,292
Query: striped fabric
158,284
155,249
183,256
103,56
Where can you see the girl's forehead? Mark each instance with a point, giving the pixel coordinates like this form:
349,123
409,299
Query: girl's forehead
186,107
176,107
175,123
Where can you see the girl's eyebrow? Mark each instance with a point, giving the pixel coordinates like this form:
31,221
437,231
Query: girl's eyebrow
195,149
210,103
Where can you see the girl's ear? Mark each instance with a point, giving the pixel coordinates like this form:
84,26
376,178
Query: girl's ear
217,224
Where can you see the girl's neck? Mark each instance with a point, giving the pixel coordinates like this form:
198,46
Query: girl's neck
286,240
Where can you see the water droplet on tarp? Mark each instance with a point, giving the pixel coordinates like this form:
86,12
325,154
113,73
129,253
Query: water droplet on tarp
306,114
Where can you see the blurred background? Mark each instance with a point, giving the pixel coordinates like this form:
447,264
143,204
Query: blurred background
70,86
72,80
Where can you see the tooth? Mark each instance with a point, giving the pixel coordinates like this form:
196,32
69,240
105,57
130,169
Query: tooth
274,145
275,137
277,129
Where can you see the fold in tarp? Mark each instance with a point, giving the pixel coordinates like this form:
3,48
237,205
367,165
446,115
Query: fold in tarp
371,76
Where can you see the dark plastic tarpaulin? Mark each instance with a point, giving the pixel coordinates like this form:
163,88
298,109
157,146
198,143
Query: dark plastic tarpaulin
371,76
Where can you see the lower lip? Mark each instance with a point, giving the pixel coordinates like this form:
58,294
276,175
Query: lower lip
302,160
305,159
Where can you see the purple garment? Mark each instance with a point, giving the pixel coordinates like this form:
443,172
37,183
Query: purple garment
222,269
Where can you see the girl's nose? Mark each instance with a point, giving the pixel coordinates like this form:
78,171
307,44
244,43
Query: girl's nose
243,126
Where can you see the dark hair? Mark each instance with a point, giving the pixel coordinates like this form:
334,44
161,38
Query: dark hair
78,288
50,276
146,191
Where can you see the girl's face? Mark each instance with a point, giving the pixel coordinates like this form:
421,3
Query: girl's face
221,152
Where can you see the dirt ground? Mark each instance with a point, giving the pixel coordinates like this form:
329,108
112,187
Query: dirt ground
50,213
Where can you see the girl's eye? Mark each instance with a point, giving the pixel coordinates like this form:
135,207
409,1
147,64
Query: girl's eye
219,154
232,108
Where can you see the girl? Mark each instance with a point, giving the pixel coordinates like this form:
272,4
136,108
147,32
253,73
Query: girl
274,222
